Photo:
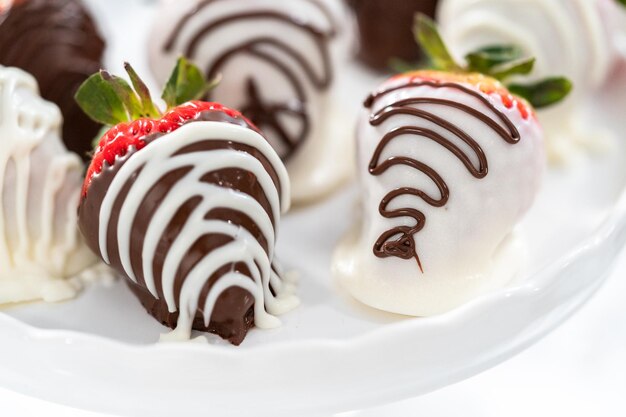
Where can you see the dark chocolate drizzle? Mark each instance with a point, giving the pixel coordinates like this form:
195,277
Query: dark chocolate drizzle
261,111
58,43
233,314
400,241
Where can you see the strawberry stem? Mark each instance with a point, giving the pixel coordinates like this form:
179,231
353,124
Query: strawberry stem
427,35
125,93
148,109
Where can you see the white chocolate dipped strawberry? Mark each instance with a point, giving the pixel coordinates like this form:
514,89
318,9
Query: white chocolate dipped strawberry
40,246
448,162
278,60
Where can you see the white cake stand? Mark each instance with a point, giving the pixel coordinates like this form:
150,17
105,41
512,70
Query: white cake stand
332,354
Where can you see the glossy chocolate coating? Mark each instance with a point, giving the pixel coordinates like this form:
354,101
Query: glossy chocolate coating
385,29
233,313
399,241
58,43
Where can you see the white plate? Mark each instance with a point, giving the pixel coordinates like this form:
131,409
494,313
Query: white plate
331,354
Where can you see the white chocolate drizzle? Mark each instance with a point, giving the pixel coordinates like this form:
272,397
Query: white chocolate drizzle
147,167
40,245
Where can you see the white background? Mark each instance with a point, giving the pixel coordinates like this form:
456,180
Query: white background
577,371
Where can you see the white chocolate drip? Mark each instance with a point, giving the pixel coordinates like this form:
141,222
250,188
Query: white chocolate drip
40,180
148,166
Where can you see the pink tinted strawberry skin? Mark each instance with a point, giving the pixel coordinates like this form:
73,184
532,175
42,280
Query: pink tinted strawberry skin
483,83
120,138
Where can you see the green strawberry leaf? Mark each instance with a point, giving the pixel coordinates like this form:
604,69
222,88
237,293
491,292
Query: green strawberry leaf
428,37
101,101
543,93
401,66
125,93
498,61
148,109
186,83
521,67
622,2
486,58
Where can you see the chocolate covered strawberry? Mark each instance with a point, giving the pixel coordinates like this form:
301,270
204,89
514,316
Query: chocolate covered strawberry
449,160
185,204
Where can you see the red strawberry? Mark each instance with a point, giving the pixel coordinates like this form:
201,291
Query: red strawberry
117,140
483,83
111,101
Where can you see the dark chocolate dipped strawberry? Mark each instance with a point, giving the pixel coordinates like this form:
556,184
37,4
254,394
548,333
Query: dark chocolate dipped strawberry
58,42
185,205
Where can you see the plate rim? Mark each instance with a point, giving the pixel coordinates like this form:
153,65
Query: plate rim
614,223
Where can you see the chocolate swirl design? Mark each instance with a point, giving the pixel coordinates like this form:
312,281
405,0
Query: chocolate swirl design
273,49
191,221
57,42
399,241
